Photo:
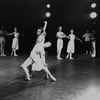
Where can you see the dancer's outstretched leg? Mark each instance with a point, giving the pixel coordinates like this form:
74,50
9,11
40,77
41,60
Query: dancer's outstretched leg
67,55
25,65
48,72
15,52
71,56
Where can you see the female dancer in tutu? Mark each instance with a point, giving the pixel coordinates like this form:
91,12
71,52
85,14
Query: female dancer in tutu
15,42
71,44
35,59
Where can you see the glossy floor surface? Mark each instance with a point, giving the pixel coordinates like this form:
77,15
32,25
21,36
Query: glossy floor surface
77,79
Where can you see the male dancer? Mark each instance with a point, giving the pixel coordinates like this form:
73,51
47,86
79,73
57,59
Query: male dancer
2,40
60,35
87,37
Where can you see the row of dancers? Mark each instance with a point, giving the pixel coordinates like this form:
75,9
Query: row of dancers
15,41
89,42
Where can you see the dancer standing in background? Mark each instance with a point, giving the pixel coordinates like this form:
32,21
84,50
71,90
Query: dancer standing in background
87,37
71,44
15,42
93,44
2,40
60,35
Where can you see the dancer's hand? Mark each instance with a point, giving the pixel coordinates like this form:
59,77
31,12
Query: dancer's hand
81,41
45,22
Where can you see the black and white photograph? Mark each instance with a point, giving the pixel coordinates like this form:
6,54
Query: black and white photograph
49,50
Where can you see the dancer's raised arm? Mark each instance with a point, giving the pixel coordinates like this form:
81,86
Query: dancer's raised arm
79,39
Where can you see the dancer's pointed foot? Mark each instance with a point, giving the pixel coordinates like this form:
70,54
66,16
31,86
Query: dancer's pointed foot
54,79
27,78
59,58
15,55
71,58
3,55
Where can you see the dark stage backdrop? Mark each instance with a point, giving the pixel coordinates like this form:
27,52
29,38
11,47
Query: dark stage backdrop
28,15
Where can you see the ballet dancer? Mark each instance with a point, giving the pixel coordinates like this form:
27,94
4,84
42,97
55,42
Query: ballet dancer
87,37
36,60
15,42
60,35
71,44
2,40
93,44
41,32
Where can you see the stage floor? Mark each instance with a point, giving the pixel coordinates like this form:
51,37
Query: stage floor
77,79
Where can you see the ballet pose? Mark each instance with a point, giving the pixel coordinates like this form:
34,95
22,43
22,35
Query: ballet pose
87,37
2,40
71,44
60,35
93,44
15,42
36,60
41,32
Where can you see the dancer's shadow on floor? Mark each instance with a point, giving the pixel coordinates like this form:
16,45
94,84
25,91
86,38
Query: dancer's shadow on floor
19,84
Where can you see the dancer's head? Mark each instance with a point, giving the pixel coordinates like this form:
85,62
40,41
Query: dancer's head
15,29
72,31
39,31
60,28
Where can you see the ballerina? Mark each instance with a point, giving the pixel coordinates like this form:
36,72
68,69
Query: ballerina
71,44
36,61
15,42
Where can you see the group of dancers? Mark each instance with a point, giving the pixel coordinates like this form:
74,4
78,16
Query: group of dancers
15,41
36,58
89,43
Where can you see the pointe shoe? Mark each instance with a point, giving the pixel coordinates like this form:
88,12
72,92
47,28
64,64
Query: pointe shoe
54,79
15,55
59,58
27,78
3,55
71,58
